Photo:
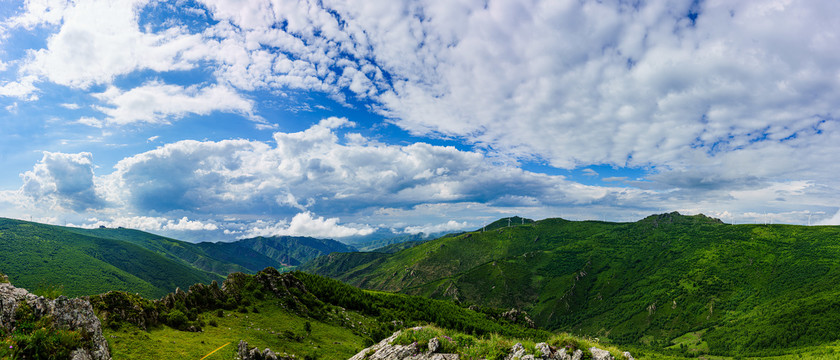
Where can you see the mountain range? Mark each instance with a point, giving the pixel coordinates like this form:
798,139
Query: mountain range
668,285
665,281
92,261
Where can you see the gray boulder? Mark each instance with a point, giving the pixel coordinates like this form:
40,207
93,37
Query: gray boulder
248,353
384,350
598,354
70,314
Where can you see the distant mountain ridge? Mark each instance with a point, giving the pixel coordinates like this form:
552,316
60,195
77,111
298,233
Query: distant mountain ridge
284,251
91,261
736,289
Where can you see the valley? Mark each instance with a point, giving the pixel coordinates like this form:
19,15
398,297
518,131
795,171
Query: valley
668,286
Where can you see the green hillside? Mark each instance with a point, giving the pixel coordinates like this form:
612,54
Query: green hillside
285,251
737,289
222,258
179,251
396,242
294,313
38,256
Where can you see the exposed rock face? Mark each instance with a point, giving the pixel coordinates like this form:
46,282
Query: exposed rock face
71,314
384,350
598,354
246,353
517,316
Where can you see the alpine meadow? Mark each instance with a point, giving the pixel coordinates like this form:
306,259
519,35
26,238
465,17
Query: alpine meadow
423,180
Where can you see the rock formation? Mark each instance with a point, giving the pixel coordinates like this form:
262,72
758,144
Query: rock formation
246,353
62,313
385,350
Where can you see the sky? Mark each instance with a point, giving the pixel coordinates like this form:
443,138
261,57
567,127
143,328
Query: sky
217,120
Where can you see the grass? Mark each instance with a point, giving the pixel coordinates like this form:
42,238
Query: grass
42,257
271,327
494,346
692,341
752,288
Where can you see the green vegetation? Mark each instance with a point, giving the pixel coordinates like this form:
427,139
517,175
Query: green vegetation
493,346
55,260
757,290
221,258
188,254
393,244
295,313
47,258
283,251
36,338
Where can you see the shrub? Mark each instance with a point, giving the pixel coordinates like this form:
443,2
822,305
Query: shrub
177,319
46,343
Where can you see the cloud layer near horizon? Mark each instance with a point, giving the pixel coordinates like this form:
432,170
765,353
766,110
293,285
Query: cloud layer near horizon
727,107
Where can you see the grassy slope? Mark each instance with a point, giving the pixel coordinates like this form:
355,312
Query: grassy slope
180,251
44,256
293,250
754,286
222,258
343,319
327,341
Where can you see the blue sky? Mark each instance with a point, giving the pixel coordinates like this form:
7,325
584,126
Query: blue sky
217,120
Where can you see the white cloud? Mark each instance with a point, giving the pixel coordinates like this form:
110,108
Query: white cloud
306,224
62,181
575,84
450,225
23,89
313,170
730,113
99,40
834,220
590,172
71,106
156,102
150,223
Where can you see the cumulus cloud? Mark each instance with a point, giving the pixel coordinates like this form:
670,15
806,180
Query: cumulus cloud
150,223
575,84
834,220
306,224
156,102
99,40
314,170
63,181
23,89
731,108
450,225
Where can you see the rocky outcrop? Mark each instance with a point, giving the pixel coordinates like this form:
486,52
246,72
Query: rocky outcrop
62,313
248,353
542,352
598,354
385,350
517,316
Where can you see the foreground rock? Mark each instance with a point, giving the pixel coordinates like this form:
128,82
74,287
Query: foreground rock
68,314
385,350
246,352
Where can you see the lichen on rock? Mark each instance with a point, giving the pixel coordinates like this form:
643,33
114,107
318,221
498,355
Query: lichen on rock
19,309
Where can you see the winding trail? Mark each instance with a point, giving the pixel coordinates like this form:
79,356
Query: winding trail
217,349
